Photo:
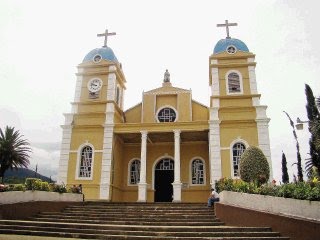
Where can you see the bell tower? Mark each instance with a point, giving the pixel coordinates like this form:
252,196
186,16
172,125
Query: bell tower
86,151
237,120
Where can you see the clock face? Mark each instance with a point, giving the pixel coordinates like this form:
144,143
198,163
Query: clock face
94,85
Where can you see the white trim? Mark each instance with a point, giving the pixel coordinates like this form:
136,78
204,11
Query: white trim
155,164
240,82
78,161
129,172
166,106
238,140
204,171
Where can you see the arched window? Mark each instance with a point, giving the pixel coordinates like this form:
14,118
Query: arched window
166,114
134,172
118,95
234,82
85,168
197,172
237,151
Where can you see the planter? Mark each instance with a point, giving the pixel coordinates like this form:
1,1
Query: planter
277,205
36,196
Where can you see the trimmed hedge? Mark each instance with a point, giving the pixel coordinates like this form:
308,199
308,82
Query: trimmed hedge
301,190
254,166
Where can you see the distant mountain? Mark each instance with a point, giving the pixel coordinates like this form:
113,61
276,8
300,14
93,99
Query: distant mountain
22,173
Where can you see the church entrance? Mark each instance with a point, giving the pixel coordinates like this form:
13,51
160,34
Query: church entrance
163,179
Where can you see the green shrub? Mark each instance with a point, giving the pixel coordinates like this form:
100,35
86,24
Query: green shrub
45,186
31,183
254,166
57,188
18,187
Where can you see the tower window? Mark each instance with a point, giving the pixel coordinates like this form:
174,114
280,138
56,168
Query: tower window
231,49
234,83
118,95
167,115
134,171
197,172
237,151
85,162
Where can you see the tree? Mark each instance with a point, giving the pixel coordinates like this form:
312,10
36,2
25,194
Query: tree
313,116
254,166
14,150
299,167
285,176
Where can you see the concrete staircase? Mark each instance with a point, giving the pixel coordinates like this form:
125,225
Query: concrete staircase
102,220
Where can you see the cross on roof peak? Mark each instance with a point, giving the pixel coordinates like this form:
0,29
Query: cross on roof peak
227,24
105,35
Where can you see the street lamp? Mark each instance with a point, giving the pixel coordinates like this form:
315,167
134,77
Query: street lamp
300,123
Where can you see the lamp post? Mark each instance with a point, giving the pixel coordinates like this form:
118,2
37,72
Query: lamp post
300,123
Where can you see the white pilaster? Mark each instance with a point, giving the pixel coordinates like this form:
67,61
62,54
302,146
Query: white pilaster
214,151
108,139
77,93
264,141
65,148
177,185
215,87
252,80
142,185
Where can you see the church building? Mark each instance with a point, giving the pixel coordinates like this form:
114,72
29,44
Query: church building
168,147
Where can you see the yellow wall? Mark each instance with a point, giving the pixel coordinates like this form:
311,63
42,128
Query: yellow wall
133,115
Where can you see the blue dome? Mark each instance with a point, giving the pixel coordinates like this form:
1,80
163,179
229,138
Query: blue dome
222,45
106,53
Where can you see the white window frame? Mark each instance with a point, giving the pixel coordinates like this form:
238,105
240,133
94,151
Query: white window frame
166,106
77,177
129,171
240,82
238,140
204,171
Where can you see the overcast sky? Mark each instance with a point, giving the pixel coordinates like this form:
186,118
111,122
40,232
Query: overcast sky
42,42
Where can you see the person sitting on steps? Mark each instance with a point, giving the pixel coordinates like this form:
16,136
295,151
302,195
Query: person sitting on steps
214,197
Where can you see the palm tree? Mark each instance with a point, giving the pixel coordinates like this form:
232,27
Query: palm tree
14,150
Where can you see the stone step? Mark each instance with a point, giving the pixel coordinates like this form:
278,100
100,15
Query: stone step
118,237
151,228
133,221
128,222
129,218
152,214
142,233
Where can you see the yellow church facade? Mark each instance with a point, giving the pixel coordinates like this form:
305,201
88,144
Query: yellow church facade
168,147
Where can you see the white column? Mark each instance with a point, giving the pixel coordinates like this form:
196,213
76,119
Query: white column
177,181
142,185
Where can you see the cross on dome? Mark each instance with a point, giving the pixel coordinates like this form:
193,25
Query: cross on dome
105,35
227,24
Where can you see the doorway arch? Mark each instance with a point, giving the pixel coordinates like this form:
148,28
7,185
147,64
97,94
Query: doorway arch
163,179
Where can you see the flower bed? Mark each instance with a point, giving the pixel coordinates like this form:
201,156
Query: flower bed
301,190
